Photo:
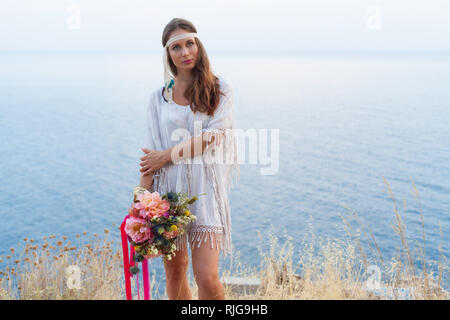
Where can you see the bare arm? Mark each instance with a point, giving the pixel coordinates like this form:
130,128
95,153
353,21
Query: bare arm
146,181
191,148
155,160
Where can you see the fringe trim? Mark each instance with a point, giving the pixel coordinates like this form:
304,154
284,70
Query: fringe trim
198,234
222,155
214,158
181,241
160,182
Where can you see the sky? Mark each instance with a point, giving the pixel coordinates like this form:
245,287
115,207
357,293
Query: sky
227,25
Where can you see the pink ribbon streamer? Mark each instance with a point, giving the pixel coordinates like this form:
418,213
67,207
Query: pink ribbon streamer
128,262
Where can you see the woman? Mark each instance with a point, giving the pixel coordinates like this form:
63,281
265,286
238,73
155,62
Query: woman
196,106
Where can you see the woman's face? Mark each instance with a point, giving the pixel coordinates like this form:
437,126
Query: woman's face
184,51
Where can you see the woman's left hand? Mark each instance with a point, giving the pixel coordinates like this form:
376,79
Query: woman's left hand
153,160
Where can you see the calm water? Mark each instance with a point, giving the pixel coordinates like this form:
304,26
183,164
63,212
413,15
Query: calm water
72,126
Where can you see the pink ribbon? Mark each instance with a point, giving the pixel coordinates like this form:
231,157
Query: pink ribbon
128,262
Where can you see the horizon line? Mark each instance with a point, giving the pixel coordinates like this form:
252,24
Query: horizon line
244,52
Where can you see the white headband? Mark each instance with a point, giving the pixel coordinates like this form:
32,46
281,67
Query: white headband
168,76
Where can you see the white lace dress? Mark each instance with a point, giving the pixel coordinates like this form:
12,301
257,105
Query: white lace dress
211,172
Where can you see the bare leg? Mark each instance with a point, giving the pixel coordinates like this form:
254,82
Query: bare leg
205,264
177,285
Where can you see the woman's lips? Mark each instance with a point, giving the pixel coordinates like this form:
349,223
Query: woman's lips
187,61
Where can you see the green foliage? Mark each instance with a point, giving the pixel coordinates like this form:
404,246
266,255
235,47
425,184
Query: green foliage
134,270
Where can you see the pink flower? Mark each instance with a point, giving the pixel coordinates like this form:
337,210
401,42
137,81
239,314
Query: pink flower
138,230
151,205
134,212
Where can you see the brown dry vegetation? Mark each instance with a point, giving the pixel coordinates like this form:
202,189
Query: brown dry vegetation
326,269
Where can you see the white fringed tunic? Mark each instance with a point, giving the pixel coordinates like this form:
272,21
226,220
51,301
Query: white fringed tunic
211,172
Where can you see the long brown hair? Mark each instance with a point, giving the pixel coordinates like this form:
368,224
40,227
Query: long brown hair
204,92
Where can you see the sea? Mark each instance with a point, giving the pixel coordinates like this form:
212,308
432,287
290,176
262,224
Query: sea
339,135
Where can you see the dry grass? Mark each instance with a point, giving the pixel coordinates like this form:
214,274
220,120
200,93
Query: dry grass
326,269
343,269
39,272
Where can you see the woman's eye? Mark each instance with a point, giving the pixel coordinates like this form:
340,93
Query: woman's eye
177,46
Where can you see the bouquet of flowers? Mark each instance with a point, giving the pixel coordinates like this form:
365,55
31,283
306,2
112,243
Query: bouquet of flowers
155,221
